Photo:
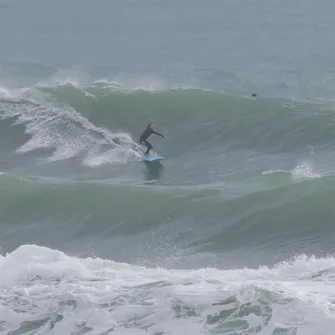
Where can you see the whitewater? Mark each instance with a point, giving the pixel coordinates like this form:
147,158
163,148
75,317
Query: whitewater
50,292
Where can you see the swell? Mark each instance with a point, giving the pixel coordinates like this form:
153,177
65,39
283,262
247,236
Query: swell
210,117
213,118
72,120
297,215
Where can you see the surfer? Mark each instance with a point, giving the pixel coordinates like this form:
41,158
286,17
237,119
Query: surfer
146,134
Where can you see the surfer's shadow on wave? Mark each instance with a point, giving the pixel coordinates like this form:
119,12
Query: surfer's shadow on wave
153,172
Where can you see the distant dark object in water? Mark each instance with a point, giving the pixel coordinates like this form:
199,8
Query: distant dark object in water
254,95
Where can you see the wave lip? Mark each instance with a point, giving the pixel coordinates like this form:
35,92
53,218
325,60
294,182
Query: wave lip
303,171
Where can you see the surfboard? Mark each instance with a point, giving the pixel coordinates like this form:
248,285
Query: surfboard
152,157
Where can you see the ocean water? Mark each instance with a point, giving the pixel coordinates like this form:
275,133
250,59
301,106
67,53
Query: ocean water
232,233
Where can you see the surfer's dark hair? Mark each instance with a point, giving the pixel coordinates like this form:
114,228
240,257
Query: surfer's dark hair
149,125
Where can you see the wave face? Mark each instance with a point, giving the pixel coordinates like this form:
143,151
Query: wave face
231,233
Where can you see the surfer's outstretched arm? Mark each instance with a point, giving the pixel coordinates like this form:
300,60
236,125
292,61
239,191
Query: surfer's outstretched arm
159,134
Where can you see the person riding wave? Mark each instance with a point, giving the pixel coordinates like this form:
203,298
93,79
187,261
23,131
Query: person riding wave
147,132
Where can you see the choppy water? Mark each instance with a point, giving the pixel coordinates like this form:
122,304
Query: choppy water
232,233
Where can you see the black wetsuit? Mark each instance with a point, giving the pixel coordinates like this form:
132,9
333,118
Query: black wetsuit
145,135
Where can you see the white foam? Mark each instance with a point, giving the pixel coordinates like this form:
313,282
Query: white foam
304,171
270,172
64,76
62,128
5,94
37,282
118,155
